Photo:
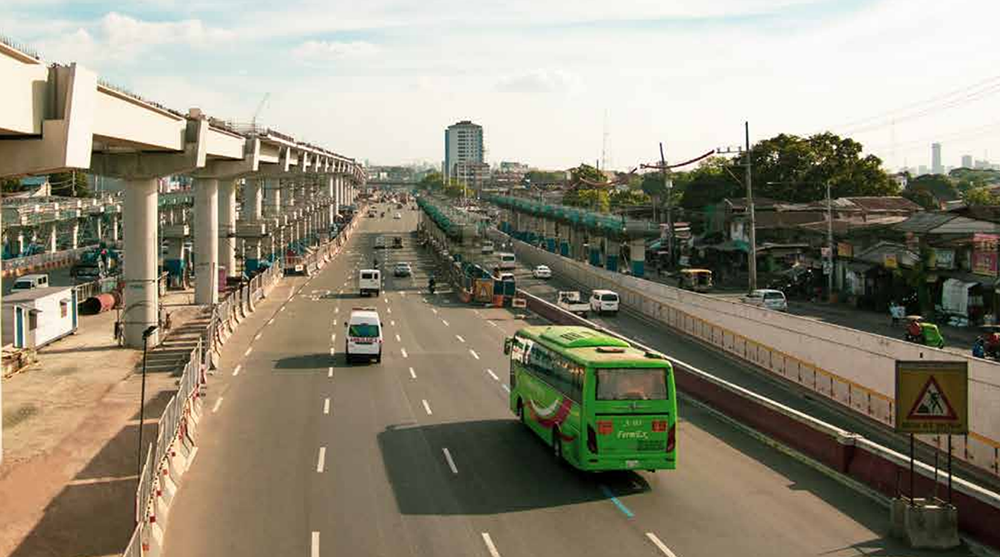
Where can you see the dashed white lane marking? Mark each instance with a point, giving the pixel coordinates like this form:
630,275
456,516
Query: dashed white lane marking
660,545
413,374
314,552
445,323
489,545
329,371
424,299
473,352
257,337
388,310
336,310
403,351
493,375
506,388
332,350
494,324
218,403
249,350
393,323
451,463
398,339
435,311
321,461
282,308
334,322
269,321
326,405
476,311
427,407
460,339
237,370
386,300
333,337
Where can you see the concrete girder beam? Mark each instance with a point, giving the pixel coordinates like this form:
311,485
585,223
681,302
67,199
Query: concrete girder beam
155,165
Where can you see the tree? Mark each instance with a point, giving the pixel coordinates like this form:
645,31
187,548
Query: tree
627,198
70,184
797,169
922,197
587,173
588,198
431,181
939,188
545,176
708,184
9,185
980,196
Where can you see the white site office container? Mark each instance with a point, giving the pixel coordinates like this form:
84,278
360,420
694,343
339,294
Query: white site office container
36,317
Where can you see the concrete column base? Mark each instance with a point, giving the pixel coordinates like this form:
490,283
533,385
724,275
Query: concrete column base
924,524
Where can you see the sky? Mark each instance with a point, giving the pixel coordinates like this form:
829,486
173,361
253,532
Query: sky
553,83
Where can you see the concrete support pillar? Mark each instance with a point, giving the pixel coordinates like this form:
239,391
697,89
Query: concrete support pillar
99,227
595,250
637,256
562,239
273,189
19,242
142,303
113,227
253,200
206,240
612,253
74,234
227,226
550,235
51,235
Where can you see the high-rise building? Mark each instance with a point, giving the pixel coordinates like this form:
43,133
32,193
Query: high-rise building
463,143
936,167
966,161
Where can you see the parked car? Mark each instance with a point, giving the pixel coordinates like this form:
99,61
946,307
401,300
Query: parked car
541,272
604,301
768,298
402,270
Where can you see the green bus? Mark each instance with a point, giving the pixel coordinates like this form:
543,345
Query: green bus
599,402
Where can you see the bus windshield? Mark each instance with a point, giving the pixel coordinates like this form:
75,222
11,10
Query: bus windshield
631,384
363,330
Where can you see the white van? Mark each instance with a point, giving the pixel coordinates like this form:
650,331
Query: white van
603,301
770,299
364,335
30,282
369,282
506,260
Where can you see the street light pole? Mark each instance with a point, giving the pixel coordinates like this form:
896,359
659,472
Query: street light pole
829,241
667,186
753,221
142,397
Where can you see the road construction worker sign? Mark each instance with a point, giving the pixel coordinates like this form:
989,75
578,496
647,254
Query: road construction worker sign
932,397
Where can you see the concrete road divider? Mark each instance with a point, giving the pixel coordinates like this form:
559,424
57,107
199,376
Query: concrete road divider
840,452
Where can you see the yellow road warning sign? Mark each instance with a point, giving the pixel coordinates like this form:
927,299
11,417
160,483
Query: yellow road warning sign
932,397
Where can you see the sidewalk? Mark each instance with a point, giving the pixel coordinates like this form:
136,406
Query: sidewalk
70,426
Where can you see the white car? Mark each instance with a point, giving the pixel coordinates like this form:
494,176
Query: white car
604,301
364,335
541,272
487,248
398,216
369,282
767,298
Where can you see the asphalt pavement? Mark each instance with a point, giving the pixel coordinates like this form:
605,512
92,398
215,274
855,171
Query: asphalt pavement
301,454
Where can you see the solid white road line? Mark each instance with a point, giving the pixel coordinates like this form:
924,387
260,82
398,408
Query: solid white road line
660,545
321,462
218,403
427,407
326,405
249,350
493,375
460,339
474,355
237,370
489,545
329,371
194,453
451,463
445,323
413,374
403,351
398,339
314,552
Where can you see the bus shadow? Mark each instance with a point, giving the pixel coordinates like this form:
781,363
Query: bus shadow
502,467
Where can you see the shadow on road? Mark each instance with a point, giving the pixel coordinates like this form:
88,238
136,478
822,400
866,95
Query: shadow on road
518,473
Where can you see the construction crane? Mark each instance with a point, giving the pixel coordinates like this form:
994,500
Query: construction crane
260,107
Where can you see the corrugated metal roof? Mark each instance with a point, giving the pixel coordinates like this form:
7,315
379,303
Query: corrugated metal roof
965,225
924,222
889,203
876,254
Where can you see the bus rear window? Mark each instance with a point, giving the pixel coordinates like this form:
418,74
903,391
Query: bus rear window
367,330
631,384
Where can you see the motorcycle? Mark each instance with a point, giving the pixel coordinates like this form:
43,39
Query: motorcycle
989,342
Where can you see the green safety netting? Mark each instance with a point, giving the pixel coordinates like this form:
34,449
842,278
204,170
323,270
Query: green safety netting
600,223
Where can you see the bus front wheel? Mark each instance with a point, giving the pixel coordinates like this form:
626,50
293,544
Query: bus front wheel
556,444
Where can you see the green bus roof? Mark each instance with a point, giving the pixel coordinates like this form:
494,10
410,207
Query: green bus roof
589,347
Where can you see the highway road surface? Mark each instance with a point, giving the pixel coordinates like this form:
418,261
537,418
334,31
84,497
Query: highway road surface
301,454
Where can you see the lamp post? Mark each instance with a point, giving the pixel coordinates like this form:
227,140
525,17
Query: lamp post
142,397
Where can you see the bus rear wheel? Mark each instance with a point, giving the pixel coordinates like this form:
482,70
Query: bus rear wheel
520,412
557,444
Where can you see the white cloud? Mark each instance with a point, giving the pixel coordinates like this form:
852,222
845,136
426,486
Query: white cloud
540,81
317,52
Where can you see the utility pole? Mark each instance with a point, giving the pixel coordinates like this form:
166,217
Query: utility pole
829,241
667,186
752,263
